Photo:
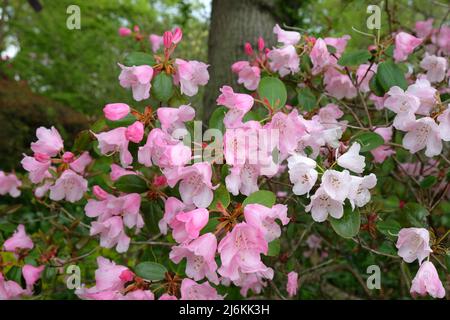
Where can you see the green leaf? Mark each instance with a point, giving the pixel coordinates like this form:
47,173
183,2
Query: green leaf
348,225
264,197
82,141
124,122
139,59
428,182
162,87
354,58
221,195
216,119
368,141
211,225
376,87
415,214
150,271
389,227
274,90
274,248
306,99
389,75
15,274
131,183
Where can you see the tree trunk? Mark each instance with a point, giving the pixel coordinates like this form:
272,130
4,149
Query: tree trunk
233,22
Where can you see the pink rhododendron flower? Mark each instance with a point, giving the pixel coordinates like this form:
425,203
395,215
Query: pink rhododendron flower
381,153
444,124
302,173
115,140
320,57
191,290
49,141
118,171
264,218
359,194
248,75
284,60
404,105
441,37
186,226
172,207
69,186
413,243
243,179
364,75
195,186
9,183
10,290
405,45
423,90
124,32
79,164
352,160
339,85
38,171
68,157
423,133
199,254
137,78
31,274
135,132
174,118
424,28
292,283
435,66
240,252
167,296
116,111
237,103
191,75
19,240
338,43
427,281
156,42
322,205
112,233
286,37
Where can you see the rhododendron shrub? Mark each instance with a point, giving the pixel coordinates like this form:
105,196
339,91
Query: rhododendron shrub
325,161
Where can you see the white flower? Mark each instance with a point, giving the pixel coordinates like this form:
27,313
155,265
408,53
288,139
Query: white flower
302,173
352,160
359,194
336,184
322,205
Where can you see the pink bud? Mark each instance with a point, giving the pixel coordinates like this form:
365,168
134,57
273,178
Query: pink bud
116,111
167,39
68,157
177,35
41,157
159,181
99,193
261,44
126,275
124,32
136,29
266,51
248,49
135,132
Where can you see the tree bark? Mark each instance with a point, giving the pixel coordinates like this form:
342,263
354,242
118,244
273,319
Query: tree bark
234,22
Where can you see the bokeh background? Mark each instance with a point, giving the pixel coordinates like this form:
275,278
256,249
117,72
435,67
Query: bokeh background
50,75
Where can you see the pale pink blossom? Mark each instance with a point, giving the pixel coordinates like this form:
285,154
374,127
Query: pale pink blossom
237,103
156,42
339,85
10,290
338,43
302,173
359,193
79,164
138,78
115,140
243,179
264,218
404,105
118,171
191,290
172,207
9,184
167,296
427,281
248,75
413,243
329,115
69,186
444,124
292,283
320,57
195,186
200,257
352,160
405,45
284,60
174,118
38,170
424,28
336,184
381,153
112,233
441,39
423,133
190,75
436,67
49,142
19,240
31,274
186,226
364,75
286,37
116,111
322,205
423,90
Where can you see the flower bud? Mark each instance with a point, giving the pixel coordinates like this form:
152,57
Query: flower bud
159,181
248,49
116,111
99,193
261,44
68,157
41,157
167,39
126,275
124,32
135,132
177,35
